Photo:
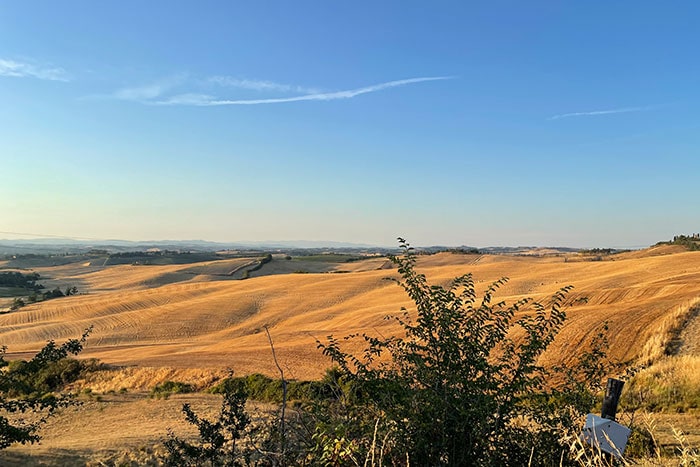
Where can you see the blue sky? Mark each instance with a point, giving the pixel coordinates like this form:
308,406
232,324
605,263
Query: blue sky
477,123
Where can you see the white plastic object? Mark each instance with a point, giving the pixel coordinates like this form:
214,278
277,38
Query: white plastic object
608,436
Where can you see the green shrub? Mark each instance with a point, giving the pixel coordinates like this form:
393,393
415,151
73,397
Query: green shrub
166,388
265,389
27,386
455,388
49,371
228,384
219,439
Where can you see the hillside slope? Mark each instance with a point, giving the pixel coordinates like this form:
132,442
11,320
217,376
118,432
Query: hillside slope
204,320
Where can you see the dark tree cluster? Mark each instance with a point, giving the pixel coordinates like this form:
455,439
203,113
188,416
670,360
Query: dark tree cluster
20,280
691,242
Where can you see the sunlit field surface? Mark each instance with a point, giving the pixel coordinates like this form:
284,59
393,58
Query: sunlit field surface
194,322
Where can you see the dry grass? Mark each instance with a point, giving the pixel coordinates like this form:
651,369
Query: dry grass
662,342
121,429
142,379
672,384
668,446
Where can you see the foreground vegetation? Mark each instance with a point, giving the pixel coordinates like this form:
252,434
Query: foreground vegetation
28,387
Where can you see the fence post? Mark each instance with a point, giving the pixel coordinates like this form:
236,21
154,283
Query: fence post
612,398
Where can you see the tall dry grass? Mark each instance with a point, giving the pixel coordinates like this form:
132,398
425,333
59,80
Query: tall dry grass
672,384
661,342
683,454
142,379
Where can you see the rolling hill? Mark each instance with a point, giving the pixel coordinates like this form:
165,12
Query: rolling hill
196,316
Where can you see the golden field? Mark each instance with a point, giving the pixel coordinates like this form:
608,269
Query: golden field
192,322
192,316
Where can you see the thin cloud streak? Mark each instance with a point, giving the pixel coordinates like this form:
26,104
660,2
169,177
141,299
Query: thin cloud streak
148,92
14,69
203,100
600,112
186,99
140,93
259,85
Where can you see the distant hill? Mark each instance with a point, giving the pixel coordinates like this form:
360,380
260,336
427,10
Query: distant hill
52,246
62,246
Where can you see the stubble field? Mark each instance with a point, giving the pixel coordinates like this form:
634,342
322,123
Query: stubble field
193,322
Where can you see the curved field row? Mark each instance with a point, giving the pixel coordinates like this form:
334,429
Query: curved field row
220,323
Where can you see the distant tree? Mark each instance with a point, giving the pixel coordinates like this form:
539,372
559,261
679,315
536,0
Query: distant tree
690,242
19,280
55,293
17,303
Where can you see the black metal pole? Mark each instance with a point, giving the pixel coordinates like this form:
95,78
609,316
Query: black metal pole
612,398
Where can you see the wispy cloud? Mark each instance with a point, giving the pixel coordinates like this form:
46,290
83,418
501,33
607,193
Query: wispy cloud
148,92
601,112
140,93
186,99
15,69
259,85
205,100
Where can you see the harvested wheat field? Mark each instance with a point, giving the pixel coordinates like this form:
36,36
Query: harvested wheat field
192,322
191,316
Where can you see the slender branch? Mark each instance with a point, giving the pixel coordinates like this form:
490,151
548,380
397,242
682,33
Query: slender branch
284,394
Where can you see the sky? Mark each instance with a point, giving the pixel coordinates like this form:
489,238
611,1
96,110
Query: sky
446,123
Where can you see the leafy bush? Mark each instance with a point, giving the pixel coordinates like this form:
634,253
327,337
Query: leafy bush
26,386
457,388
166,388
17,279
219,440
265,389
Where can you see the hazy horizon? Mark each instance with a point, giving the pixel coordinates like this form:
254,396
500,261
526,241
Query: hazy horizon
299,243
